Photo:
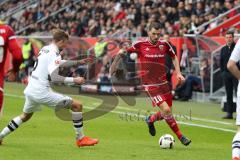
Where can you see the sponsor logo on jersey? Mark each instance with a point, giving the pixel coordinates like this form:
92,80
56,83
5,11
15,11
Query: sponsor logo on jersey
147,49
154,55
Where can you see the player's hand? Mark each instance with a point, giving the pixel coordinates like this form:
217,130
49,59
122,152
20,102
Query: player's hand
180,78
11,75
79,80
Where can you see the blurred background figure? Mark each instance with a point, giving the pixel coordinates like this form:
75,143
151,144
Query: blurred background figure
28,59
184,62
195,82
230,81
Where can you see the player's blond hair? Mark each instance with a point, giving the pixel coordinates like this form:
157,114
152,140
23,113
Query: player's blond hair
59,35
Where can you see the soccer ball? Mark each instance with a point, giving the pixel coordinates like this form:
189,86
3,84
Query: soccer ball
166,141
133,56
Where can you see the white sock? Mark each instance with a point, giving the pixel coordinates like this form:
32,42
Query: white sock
78,124
12,126
236,145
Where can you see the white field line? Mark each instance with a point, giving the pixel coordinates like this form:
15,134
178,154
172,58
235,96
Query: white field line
209,127
143,116
193,118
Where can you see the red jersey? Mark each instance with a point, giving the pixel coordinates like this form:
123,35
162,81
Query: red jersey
152,60
8,42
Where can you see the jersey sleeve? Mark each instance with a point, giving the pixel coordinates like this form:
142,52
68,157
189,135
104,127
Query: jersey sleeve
53,63
134,48
170,50
14,49
53,70
235,56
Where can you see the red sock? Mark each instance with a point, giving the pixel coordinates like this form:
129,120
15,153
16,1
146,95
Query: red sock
156,117
173,125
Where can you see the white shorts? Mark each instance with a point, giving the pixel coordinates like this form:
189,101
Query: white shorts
238,111
51,99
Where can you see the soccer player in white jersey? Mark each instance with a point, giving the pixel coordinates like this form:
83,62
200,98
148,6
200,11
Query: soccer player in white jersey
38,91
233,67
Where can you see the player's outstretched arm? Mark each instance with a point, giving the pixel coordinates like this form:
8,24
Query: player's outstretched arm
55,77
17,58
232,67
233,62
116,61
180,77
70,63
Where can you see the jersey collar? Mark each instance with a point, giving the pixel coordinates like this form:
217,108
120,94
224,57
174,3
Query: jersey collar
148,39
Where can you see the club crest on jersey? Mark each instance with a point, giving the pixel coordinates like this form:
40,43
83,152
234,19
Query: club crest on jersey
161,47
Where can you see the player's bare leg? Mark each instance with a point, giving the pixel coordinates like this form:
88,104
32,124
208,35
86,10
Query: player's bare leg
167,115
81,139
14,124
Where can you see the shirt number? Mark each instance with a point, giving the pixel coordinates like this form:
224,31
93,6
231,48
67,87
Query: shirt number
1,48
157,99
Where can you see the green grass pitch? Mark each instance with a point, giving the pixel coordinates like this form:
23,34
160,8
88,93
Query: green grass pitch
121,138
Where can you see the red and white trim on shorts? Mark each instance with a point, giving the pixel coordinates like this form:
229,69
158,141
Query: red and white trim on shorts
1,90
12,37
155,85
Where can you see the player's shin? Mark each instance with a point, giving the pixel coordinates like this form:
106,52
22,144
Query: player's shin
78,124
236,146
173,125
12,126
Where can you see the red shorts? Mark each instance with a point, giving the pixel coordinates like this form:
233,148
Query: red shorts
157,97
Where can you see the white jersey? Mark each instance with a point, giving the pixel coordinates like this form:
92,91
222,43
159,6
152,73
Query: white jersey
235,56
47,62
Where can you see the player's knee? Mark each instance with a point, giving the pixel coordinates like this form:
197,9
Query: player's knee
167,111
76,106
26,116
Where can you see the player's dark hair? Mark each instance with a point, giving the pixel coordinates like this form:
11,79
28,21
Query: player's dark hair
230,32
59,35
154,25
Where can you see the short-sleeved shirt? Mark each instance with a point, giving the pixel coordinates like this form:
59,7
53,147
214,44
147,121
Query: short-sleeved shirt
6,35
235,56
48,61
8,42
151,59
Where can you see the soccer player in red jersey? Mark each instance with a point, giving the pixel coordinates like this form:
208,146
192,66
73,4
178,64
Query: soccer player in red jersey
151,56
8,42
